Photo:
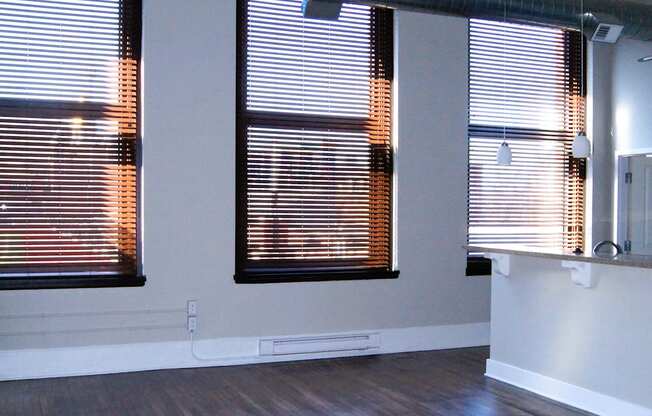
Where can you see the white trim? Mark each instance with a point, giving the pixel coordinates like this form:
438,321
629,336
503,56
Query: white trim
621,200
106,359
563,392
639,151
395,146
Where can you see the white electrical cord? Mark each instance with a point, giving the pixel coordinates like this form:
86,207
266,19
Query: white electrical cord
221,360
194,354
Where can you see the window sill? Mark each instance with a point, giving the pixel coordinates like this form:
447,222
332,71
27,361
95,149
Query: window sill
248,277
70,282
478,266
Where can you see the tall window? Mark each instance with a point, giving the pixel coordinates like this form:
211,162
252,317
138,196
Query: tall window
68,143
525,85
314,153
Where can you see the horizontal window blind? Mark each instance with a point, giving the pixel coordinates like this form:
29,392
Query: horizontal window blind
68,137
314,140
525,86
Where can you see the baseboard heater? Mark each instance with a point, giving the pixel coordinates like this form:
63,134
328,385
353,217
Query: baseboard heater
326,343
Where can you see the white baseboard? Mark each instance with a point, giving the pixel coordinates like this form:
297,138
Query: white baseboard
105,359
563,392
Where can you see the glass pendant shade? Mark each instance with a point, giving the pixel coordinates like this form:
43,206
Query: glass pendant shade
504,155
581,146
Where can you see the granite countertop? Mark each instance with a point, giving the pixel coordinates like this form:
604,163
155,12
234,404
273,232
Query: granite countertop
627,260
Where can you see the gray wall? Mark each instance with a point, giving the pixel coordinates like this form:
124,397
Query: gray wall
601,163
598,338
189,87
631,100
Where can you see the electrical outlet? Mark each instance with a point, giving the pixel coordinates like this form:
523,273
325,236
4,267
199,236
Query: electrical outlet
192,308
192,323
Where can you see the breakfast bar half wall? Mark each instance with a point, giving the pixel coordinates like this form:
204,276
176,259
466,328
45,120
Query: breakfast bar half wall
574,328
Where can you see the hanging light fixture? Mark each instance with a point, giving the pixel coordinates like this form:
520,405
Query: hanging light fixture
504,155
581,144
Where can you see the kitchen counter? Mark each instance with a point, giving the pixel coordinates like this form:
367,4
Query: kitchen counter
626,260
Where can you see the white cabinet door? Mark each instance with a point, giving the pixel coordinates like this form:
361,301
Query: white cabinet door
639,227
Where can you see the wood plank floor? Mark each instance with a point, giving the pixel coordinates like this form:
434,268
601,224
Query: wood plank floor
426,383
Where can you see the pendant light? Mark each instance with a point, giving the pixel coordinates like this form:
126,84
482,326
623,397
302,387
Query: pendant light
581,144
504,155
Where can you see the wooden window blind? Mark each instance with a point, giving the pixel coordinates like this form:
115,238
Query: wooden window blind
314,152
525,83
68,142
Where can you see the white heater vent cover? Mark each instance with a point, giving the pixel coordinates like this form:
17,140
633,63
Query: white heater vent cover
318,344
607,33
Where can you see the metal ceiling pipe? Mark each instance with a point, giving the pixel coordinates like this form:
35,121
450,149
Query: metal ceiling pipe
635,16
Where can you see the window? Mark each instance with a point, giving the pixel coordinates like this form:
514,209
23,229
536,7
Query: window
525,80
69,138
314,153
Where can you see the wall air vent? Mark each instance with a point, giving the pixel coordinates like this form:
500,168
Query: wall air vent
607,33
319,344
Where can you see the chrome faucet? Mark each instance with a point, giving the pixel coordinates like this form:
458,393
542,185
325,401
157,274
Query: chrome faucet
603,243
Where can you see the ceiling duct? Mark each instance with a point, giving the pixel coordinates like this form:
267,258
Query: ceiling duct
603,28
635,17
607,33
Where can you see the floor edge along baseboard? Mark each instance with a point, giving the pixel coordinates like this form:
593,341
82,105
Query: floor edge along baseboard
106,359
560,391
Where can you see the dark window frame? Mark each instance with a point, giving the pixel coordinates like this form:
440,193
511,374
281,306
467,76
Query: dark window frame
243,275
131,14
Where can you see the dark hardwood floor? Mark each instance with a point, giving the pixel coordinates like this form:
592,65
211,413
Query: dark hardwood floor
426,383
